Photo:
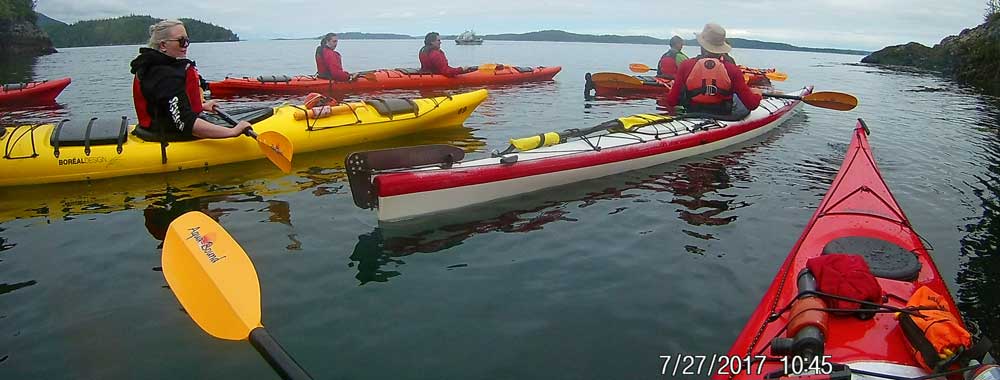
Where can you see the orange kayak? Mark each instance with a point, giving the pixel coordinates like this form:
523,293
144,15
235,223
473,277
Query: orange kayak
386,79
32,93
616,84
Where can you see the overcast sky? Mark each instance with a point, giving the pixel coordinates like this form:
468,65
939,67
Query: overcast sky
857,24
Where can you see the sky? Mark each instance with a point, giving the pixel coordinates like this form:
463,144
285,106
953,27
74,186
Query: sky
849,24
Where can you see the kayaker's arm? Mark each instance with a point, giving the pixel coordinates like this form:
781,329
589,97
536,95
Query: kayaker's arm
740,88
206,130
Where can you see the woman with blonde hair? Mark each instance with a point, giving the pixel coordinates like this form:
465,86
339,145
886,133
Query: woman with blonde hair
167,88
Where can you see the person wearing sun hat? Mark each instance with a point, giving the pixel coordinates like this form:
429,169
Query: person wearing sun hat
711,82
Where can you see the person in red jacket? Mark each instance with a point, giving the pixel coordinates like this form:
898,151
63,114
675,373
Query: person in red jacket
167,88
432,59
711,82
672,59
328,64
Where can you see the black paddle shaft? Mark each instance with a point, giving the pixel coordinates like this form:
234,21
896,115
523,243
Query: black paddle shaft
229,119
782,96
283,364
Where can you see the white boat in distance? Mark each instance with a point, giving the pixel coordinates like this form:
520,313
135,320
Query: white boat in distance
468,38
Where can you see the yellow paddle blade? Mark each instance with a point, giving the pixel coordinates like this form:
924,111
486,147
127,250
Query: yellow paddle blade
638,68
833,100
615,80
525,144
211,276
489,67
277,148
775,75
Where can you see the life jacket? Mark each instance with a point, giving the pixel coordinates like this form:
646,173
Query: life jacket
708,82
426,60
322,70
669,56
192,87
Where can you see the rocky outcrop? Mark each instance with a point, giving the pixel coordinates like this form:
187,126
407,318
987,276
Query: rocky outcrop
23,37
972,57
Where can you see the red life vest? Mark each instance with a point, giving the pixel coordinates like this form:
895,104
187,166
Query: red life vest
192,87
708,82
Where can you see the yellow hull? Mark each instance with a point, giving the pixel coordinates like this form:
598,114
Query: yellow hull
319,173
29,157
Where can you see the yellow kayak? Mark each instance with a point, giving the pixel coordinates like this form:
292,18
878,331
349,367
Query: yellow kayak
94,149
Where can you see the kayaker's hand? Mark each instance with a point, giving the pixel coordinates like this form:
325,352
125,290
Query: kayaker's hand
210,105
757,91
471,69
240,127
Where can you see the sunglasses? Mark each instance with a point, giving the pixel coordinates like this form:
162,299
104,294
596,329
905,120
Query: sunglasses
182,42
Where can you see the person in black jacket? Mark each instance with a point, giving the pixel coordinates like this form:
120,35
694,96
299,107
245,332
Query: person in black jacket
167,88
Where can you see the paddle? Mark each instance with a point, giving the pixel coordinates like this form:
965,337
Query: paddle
616,80
275,146
772,75
524,144
488,67
216,283
825,99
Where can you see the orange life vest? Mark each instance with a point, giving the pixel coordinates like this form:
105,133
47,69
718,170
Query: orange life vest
708,82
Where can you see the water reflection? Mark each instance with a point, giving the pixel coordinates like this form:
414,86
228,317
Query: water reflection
37,114
979,276
322,172
17,68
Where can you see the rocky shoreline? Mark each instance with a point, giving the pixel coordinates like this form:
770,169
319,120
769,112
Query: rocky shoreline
972,57
23,38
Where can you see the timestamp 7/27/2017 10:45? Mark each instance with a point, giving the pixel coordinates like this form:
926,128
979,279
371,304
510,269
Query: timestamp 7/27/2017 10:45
723,365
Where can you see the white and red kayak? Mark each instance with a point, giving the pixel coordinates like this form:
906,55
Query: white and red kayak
408,182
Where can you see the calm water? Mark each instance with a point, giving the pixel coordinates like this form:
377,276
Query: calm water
591,281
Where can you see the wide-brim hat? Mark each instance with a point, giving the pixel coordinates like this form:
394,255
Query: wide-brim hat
713,39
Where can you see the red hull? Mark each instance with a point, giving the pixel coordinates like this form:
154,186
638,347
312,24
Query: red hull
34,93
383,80
858,204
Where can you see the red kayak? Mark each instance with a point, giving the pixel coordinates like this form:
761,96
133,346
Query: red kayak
793,335
381,80
32,93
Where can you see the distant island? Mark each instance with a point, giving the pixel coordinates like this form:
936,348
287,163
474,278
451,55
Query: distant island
969,57
125,30
563,36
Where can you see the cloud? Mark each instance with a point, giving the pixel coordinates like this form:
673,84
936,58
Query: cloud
864,24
